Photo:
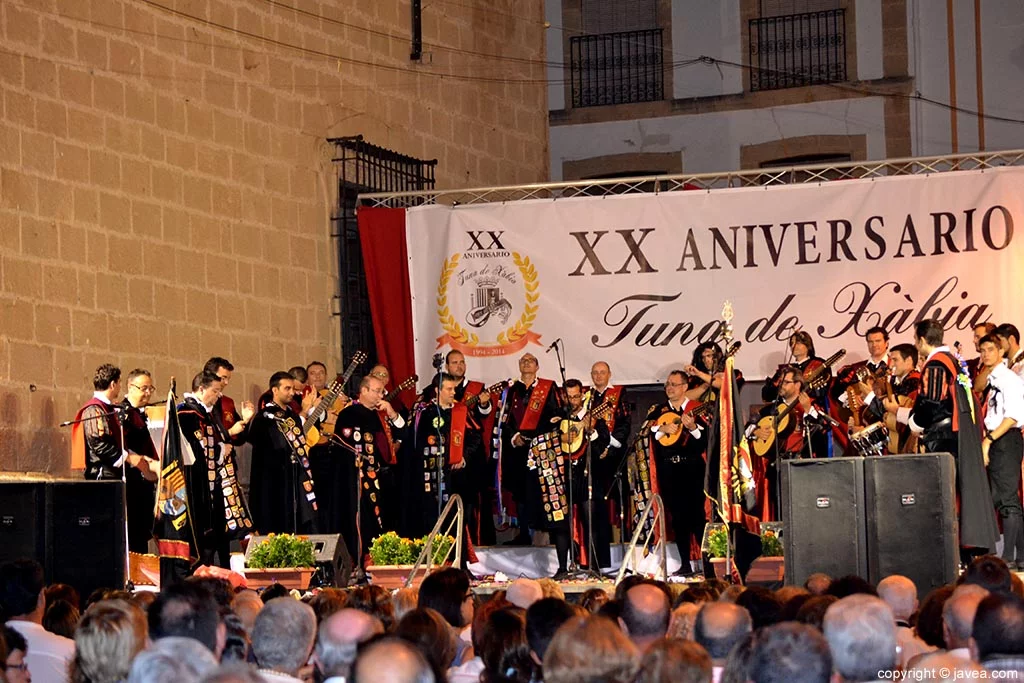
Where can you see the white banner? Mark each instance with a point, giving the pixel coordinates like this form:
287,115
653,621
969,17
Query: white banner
639,280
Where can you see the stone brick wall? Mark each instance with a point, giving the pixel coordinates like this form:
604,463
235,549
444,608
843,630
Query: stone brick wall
166,186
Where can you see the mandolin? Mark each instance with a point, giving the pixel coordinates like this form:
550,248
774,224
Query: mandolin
703,410
572,432
327,398
778,422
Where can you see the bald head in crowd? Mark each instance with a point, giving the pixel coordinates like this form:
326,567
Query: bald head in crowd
339,637
900,594
645,614
392,660
958,615
719,626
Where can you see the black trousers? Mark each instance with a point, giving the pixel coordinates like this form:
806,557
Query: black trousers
139,498
585,502
682,489
1005,456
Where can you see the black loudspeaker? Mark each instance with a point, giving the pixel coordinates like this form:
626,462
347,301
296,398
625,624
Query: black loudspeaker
87,534
912,520
73,528
23,521
333,561
823,518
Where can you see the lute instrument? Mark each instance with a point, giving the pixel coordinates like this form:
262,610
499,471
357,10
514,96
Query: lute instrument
778,422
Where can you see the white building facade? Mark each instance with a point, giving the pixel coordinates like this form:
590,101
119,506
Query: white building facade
641,87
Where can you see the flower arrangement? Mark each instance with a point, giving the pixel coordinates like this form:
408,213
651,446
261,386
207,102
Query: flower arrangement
392,549
718,540
282,550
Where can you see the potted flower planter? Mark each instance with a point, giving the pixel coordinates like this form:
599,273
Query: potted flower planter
289,577
392,576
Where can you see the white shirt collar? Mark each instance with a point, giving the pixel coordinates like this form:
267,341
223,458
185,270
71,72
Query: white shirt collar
102,395
937,349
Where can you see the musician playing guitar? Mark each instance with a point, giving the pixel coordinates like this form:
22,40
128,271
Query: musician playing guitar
783,423
606,460
804,359
905,382
679,443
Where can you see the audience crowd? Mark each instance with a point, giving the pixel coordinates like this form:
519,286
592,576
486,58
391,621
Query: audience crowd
827,631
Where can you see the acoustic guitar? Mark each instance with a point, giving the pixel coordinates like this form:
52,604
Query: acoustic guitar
778,422
701,411
572,430
407,383
493,389
327,398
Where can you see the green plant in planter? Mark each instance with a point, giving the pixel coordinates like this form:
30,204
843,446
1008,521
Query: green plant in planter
771,544
390,548
718,542
282,551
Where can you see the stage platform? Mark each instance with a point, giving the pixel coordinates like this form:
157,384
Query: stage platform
536,562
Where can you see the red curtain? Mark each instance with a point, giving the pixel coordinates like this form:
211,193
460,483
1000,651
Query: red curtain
386,261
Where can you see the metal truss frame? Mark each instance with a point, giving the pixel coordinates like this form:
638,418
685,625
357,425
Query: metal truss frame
813,173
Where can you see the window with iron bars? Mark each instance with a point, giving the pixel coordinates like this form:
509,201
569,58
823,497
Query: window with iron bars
617,68
363,167
793,50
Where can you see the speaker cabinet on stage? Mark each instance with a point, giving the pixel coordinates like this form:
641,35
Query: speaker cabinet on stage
74,528
823,517
87,542
912,520
333,561
23,520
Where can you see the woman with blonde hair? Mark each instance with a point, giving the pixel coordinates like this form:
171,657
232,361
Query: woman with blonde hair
107,639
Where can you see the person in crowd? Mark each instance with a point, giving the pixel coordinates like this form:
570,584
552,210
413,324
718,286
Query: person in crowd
861,633
928,626
327,602
62,591
427,629
593,599
404,601
338,638
997,636
790,653
944,667
15,669
762,605
990,572
850,585
719,626
524,592
590,649
480,631
22,602
543,619
186,610
674,661
393,660
110,635
900,594
646,611
61,618
247,604
684,617
737,664
375,601
173,659
447,591
813,611
958,618
818,583
504,650
282,639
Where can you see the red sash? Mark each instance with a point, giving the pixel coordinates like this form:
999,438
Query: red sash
78,435
473,388
953,366
612,395
535,405
386,451
457,434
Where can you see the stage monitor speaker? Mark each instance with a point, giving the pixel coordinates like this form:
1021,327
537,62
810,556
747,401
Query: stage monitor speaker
333,561
912,520
87,544
823,517
23,521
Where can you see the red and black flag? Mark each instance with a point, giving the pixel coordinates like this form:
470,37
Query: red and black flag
176,543
729,481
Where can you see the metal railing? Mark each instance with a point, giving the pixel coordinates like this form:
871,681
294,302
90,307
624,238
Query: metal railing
616,68
797,49
811,173
426,559
656,533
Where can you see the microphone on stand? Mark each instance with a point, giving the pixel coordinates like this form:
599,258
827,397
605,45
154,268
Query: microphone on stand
552,345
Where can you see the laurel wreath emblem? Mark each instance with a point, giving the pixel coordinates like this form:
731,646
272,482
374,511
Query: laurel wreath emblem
514,333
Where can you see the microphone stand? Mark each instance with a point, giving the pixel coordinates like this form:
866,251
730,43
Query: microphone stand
572,565
617,481
591,545
360,573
